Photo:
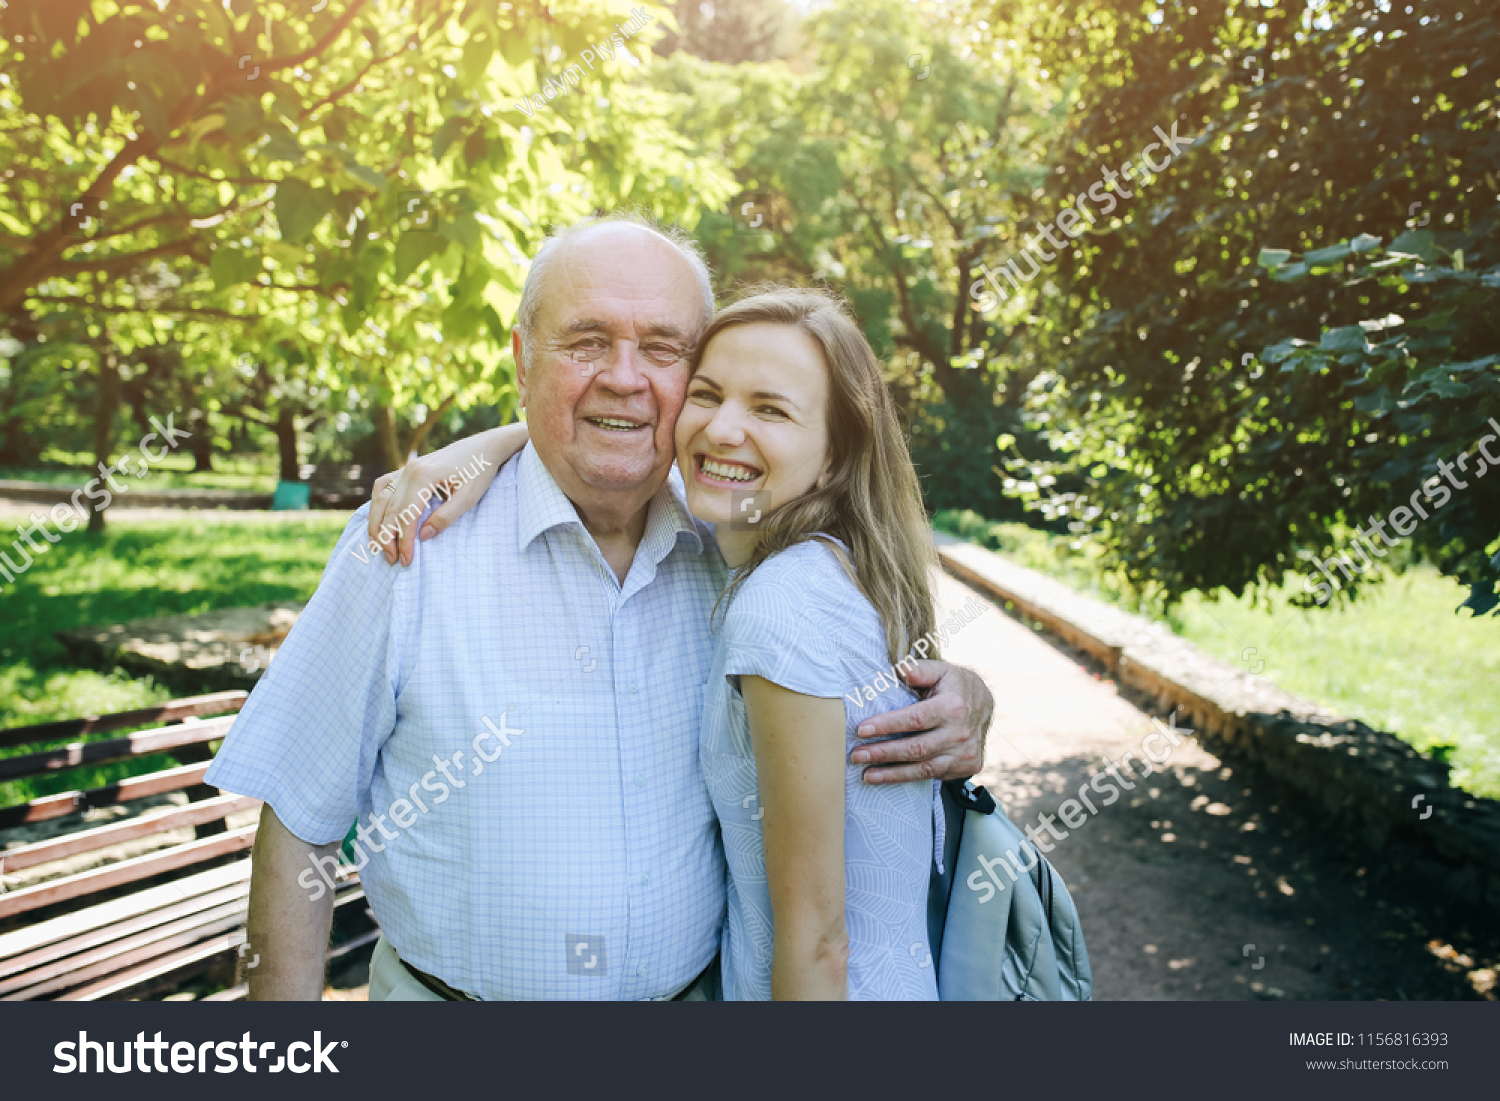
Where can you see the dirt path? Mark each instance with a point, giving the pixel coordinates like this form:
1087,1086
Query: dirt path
1201,883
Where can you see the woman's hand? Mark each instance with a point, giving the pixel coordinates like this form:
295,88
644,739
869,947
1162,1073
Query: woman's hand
462,472
945,731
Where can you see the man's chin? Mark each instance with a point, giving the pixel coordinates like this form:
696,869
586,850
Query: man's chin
624,477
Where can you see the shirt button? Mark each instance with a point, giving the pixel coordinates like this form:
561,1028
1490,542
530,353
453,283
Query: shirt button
641,970
645,878
634,688
640,779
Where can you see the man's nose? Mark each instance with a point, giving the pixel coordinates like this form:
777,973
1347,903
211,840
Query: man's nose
621,370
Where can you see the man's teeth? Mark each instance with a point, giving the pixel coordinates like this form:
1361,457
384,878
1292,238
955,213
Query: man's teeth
727,472
613,422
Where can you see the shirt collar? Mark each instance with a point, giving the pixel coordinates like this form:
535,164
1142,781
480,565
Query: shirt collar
542,505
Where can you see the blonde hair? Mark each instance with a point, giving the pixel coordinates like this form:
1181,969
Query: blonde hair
871,500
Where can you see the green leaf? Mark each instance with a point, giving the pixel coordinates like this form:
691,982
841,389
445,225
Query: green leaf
452,126
283,146
413,249
1364,243
153,114
1348,338
1324,256
1273,258
1472,365
300,207
1289,272
477,52
1416,242
242,117
464,229
231,266
366,175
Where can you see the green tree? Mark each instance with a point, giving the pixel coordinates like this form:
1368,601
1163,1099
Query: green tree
348,194
1252,356
908,139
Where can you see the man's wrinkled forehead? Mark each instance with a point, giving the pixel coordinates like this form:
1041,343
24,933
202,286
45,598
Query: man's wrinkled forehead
620,277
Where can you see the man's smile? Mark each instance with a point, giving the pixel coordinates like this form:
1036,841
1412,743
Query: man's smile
617,424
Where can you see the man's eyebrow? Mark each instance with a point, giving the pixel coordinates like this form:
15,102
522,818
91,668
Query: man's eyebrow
664,328
598,325
586,325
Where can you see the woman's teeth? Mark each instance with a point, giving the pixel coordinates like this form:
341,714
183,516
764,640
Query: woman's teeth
727,472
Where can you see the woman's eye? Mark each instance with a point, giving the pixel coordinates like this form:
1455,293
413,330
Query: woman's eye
771,410
702,395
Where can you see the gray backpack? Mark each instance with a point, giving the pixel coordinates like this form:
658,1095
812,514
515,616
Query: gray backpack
1000,921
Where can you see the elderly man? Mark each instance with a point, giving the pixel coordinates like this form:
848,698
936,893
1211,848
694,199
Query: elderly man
512,723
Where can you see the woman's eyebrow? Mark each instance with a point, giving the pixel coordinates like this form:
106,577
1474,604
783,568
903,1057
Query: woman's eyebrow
772,395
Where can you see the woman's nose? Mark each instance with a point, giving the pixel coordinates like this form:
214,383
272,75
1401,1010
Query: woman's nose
726,429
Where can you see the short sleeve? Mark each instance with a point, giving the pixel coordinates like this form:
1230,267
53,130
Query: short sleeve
308,738
781,624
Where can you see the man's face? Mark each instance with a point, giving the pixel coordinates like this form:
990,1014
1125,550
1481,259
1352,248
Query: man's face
619,313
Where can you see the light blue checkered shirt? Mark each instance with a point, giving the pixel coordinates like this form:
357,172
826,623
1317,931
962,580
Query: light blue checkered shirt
581,857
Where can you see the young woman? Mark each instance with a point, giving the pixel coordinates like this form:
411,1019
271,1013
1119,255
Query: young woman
788,444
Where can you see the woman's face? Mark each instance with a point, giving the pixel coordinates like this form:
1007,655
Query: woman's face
753,434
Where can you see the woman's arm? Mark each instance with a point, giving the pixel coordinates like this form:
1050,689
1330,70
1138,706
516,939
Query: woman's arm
463,470
799,755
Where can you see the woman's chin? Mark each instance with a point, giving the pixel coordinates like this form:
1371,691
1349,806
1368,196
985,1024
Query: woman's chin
709,506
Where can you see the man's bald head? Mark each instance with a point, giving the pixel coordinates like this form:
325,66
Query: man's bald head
548,272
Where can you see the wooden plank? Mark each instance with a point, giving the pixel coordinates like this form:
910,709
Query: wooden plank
116,910
191,957
105,959
233,994
149,963
123,791
127,871
339,951
215,703
57,950
163,821
76,754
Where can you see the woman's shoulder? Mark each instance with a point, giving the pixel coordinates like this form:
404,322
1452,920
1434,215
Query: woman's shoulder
810,572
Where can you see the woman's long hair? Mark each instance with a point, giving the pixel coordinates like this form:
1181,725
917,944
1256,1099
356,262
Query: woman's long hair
871,499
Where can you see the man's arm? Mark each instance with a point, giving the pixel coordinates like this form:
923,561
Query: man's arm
945,731
289,923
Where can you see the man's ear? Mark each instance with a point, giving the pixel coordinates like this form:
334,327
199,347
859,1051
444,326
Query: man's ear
515,348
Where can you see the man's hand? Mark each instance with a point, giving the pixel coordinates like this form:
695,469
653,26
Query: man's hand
460,473
952,722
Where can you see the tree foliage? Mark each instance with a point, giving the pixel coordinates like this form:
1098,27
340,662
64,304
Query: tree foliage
1281,334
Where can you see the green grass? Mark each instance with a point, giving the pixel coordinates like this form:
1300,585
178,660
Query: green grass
132,570
247,473
1399,658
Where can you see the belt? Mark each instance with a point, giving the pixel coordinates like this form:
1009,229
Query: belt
449,994
436,985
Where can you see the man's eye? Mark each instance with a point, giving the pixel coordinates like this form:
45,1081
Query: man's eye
663,353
